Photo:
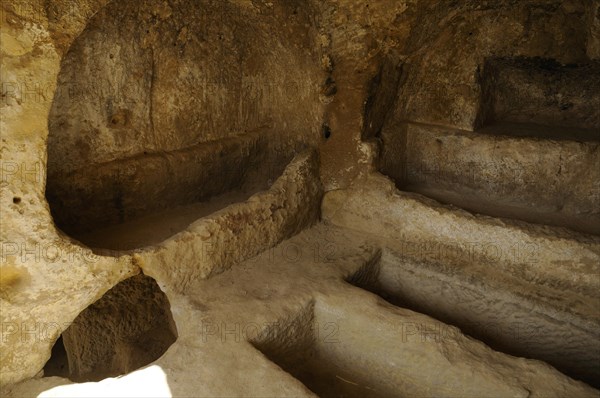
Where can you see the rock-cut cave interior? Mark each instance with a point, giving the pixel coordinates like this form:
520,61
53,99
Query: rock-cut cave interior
300,198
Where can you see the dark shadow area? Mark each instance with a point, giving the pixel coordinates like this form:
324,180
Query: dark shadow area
160,194
58,364
552,100
128,328
531,130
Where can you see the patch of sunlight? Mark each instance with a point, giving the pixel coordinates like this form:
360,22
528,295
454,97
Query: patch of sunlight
147,382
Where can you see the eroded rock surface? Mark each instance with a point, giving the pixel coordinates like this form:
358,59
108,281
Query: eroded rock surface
129,327
230,118
290,309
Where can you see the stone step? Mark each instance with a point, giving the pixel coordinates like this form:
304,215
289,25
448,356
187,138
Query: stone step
528,290
501,173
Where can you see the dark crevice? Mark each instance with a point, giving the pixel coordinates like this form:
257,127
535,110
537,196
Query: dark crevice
381,97
58,364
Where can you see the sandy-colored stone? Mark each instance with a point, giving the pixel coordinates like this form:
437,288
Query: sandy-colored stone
109,110
441,80
522,287
308,308
497,171
550,256
215,243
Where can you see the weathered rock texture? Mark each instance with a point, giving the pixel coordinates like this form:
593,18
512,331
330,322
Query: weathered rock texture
498,172
441,83
542,92
241,231
530,290
89,89
207,131
129,327
154,77
154,103
334,338
99,195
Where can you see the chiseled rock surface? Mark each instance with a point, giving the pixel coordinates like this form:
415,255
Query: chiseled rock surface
51,277
165,180
549,256
240,231
441,80
37,317
58,279
548,181
505,312
543,92
46,277
505,281
155,77
294,298
129,327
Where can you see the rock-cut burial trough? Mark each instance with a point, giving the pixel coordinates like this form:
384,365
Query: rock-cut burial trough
142,200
